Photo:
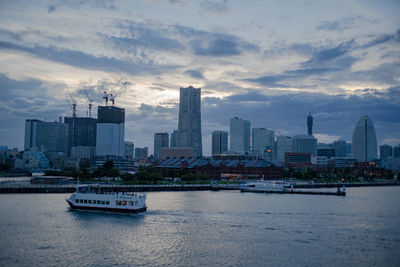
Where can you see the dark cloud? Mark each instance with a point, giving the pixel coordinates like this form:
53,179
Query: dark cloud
384,38
334,115
195,74
343,23
83,60
215,6
51,9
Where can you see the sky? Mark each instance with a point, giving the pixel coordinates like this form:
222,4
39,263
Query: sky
270,62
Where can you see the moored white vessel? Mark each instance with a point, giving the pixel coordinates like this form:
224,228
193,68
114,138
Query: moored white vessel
265,186
90,197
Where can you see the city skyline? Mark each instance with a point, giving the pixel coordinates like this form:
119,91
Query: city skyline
263,62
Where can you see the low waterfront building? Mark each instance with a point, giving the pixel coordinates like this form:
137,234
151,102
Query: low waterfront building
177,153
297,160
215,169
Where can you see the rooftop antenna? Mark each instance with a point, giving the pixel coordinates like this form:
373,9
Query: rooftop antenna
105,97
90,103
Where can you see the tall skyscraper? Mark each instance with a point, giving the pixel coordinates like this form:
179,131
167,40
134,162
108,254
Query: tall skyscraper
219,142
189,126
110,132
81,132
52,136
385,151
174,139
364,145
240,135
396,151
261,139
340,148
160,140
283,144
309,123
305,144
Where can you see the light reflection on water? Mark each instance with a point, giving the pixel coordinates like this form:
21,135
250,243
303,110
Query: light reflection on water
206,228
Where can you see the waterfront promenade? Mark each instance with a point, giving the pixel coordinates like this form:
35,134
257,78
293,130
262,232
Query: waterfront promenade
70,188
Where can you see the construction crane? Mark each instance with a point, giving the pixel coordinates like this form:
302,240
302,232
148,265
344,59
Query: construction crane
72,102
90,100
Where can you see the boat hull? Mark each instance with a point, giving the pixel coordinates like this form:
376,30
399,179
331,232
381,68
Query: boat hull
105,209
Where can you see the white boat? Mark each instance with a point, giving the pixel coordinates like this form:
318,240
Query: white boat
90,197
265,186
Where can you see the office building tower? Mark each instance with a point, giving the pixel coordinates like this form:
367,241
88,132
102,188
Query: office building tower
309,124
219,142
396,151
174,139
110,143
364,145
81,133
189,126
141,153
305,144
240,135
160,140
340,148
283,144
262,139
50,136
129,151
385,151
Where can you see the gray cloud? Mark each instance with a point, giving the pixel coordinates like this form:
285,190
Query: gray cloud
384,38
83,60
343,23
195,74
215,6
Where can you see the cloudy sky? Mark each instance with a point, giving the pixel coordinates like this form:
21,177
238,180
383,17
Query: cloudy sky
270,62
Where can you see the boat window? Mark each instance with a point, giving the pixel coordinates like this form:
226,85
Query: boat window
251,185
118,202
103,202
81,201
85,201
76,200
124,203
130,203
107,202
98,201
135,203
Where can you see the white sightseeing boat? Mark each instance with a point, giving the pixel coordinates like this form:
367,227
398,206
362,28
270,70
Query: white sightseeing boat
90,197
265,186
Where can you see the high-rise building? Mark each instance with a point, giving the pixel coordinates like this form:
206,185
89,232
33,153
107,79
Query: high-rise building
81,132
327,152
174,139
396,151
189,126
160,140
219,142
385,151
51,136
340,148
110,132
364,145
240,135
129,150
141,153
309,123
262,139
283,144
305,144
